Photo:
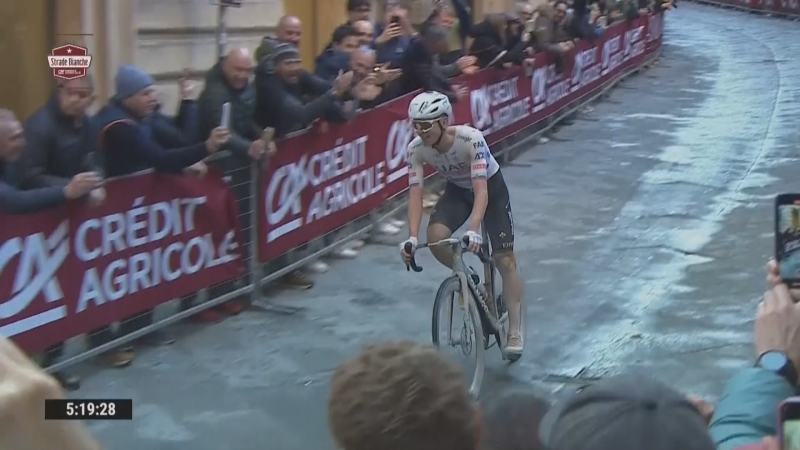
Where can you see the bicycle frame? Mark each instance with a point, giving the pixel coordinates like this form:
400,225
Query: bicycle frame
468,287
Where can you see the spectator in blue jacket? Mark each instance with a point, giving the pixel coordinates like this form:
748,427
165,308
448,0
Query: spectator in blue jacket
393,36
132,136
336,59
747,411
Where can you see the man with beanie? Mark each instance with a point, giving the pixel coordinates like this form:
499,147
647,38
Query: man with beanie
131,138
289,98
626,412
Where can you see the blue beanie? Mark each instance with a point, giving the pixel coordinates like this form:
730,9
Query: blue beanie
131,80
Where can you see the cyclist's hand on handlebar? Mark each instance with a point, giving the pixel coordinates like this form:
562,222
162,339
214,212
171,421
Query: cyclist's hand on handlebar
474,241
405,255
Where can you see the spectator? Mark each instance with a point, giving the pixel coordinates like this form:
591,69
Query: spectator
289,99
366,33
458,23
525,11
551,36
373,84
132,136
419,68
334,60
289,31
625,412
746,413
629,10
511,422
23,390
394,36
14,200
228,81
494,36
615,14
58,147
358,10
401,396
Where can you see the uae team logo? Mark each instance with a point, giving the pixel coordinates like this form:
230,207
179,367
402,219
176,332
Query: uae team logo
69,62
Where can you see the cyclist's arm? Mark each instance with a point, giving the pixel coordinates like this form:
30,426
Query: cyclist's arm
479,168
416,178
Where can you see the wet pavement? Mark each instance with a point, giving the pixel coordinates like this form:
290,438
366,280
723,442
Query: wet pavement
642,232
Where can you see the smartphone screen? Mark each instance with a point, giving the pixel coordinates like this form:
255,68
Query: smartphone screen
787,237
789,413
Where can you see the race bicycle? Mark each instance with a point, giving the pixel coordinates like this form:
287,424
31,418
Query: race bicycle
484,315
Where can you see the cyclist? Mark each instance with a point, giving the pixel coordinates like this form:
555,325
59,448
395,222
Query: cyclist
475,188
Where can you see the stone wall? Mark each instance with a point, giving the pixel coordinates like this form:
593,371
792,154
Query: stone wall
182,34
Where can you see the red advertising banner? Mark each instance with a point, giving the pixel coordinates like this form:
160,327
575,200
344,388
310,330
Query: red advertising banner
67,271
787,7
319,182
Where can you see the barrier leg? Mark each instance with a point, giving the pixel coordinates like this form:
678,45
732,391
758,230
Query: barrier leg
257,298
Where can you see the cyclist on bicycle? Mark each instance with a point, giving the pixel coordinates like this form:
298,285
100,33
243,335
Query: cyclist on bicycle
475,188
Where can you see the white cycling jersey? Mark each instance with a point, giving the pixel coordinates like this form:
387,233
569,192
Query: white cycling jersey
468,158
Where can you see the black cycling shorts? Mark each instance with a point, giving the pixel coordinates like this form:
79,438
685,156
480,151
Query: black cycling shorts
455,206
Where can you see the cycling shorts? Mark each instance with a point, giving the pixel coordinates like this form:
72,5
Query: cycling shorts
455,206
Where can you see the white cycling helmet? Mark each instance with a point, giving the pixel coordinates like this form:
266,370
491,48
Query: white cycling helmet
430,106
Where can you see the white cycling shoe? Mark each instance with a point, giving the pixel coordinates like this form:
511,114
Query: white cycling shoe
514,345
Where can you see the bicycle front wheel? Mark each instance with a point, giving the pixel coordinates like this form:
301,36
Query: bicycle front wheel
457,330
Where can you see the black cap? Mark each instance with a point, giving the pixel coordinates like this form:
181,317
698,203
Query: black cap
626,412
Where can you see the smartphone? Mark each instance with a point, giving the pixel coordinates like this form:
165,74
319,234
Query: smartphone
789,423
395,19
225,119
530,26
787,237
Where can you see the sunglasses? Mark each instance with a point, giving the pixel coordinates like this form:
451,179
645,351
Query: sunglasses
423,126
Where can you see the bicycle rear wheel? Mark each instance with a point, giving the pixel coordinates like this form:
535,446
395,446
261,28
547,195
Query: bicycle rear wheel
463,335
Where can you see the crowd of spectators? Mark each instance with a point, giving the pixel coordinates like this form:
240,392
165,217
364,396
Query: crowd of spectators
61,154
405,395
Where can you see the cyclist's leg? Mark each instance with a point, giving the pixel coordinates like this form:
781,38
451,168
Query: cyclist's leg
450,212
499,224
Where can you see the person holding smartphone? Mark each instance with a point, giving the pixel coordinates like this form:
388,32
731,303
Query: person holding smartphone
393,36
747,411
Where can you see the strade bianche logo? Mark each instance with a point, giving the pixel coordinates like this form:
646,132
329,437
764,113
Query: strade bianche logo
69,62
39,258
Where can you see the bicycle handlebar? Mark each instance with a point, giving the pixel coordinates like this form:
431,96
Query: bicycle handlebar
412,263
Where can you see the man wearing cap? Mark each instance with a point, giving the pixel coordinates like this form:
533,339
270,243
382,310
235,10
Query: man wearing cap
132,137
625,412
289,98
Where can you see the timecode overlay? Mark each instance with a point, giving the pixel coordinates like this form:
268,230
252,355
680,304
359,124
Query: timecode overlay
88,409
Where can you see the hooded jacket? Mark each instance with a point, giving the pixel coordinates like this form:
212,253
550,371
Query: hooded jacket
127,144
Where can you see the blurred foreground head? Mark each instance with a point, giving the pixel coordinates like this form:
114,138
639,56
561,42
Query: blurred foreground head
401,396
511,421
627,412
